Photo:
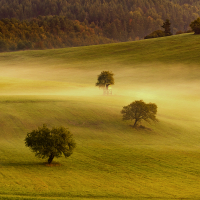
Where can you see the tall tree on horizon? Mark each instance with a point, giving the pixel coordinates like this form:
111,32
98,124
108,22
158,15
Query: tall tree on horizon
166,25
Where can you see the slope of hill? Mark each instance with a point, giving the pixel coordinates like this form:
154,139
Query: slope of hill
112,160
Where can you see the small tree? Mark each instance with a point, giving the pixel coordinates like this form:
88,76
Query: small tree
46,143
105,79
138,111
166,26
195,26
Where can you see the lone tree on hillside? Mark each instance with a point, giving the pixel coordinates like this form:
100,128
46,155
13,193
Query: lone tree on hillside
195,26
52,143
166,26
104,80
138,111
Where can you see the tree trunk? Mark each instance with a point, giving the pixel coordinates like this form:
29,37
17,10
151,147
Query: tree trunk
135,124
105,90
51,157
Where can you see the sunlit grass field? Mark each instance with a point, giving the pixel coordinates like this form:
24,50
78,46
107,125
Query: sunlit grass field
112,160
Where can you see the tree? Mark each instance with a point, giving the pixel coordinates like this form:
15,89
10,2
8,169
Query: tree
105,79
138,111
195,26
166,26
50,143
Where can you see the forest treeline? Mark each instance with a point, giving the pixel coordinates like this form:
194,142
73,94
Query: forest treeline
47,32
101,20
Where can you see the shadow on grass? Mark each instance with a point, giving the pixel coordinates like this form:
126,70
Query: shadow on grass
29,164
141,127
87,197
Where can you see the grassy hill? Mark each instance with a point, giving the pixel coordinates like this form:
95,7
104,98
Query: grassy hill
112,160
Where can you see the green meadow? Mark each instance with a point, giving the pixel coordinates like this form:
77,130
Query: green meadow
112,161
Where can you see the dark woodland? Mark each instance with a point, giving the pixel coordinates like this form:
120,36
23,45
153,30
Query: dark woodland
40,24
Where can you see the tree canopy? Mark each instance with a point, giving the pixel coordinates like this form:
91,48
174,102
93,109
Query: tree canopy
105,79
138,111
166,25
195,26
50,143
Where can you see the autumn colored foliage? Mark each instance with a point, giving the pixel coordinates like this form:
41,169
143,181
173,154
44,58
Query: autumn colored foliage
39,24
47,32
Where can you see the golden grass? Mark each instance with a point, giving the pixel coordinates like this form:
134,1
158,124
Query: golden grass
112,160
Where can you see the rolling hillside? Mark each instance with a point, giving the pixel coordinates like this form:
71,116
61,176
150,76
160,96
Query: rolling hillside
112,160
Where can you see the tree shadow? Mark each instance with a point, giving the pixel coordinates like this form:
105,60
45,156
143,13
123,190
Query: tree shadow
141,127
29,164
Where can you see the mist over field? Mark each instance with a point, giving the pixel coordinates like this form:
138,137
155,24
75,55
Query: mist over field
112,159
170,85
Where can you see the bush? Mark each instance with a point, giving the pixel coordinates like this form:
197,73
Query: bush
155,34
179,32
